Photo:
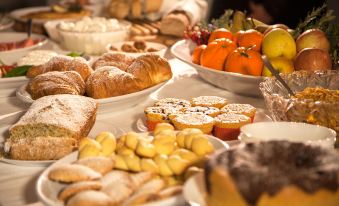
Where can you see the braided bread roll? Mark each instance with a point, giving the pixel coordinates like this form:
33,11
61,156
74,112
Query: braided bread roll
128,76
62,63
51,83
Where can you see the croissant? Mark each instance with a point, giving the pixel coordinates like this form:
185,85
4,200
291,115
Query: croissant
113,59
68,82
143,72
62,63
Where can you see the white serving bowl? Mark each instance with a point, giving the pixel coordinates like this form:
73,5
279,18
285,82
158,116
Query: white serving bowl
160,47
291,131
93,43
237,83
10,57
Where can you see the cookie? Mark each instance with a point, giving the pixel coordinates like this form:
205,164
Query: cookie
90,198
72,173
77,187
99,164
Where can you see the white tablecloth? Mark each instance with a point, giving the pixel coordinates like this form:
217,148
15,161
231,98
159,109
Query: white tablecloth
17,183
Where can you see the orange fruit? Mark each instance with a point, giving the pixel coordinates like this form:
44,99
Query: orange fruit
197,53
216,52
236,36
244,61
250,38
220,33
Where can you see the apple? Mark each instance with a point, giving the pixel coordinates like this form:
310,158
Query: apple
274,26
282,64
279,43
313,38
313,59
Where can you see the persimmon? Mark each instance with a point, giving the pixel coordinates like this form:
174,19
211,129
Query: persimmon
197,53
216,52
244,61
250,38
236,36
220,33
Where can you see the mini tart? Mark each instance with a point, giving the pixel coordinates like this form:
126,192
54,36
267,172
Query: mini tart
210,111
209,101
227,125
172,102
200,121
155,115
245,109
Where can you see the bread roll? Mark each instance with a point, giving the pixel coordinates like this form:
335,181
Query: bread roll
128,77
175,24
62,63
68,82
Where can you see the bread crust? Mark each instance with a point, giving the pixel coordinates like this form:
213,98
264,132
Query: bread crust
68,82
123,75
62,63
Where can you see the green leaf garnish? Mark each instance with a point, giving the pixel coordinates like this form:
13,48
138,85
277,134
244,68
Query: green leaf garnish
18,71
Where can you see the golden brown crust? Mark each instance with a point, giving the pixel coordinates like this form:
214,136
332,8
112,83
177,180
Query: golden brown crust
40,148
120,61
145,71
77,187
90,198
99,164
68,82
69,173
62,63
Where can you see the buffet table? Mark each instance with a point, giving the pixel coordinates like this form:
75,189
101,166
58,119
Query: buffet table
17,183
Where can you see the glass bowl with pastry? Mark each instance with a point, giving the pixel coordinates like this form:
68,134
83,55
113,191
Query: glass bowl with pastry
134,169
137,48
316,99
211,114
92,34
286,173
115,80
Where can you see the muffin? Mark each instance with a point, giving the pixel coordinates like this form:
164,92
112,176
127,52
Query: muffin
210,111
273,173
209,101
227,125
155,115
245,109
172,102
199,121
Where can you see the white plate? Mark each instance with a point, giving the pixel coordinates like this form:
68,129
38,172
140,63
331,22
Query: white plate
237,83
8,86
106,104
260,116
48,190
10,57
6,121
194,190
160,47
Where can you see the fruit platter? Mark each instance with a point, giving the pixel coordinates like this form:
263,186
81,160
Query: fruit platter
125,103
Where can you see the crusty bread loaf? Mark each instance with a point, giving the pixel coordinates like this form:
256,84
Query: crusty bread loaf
68,82
40,148
64,116
62,63
175,24
128,77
